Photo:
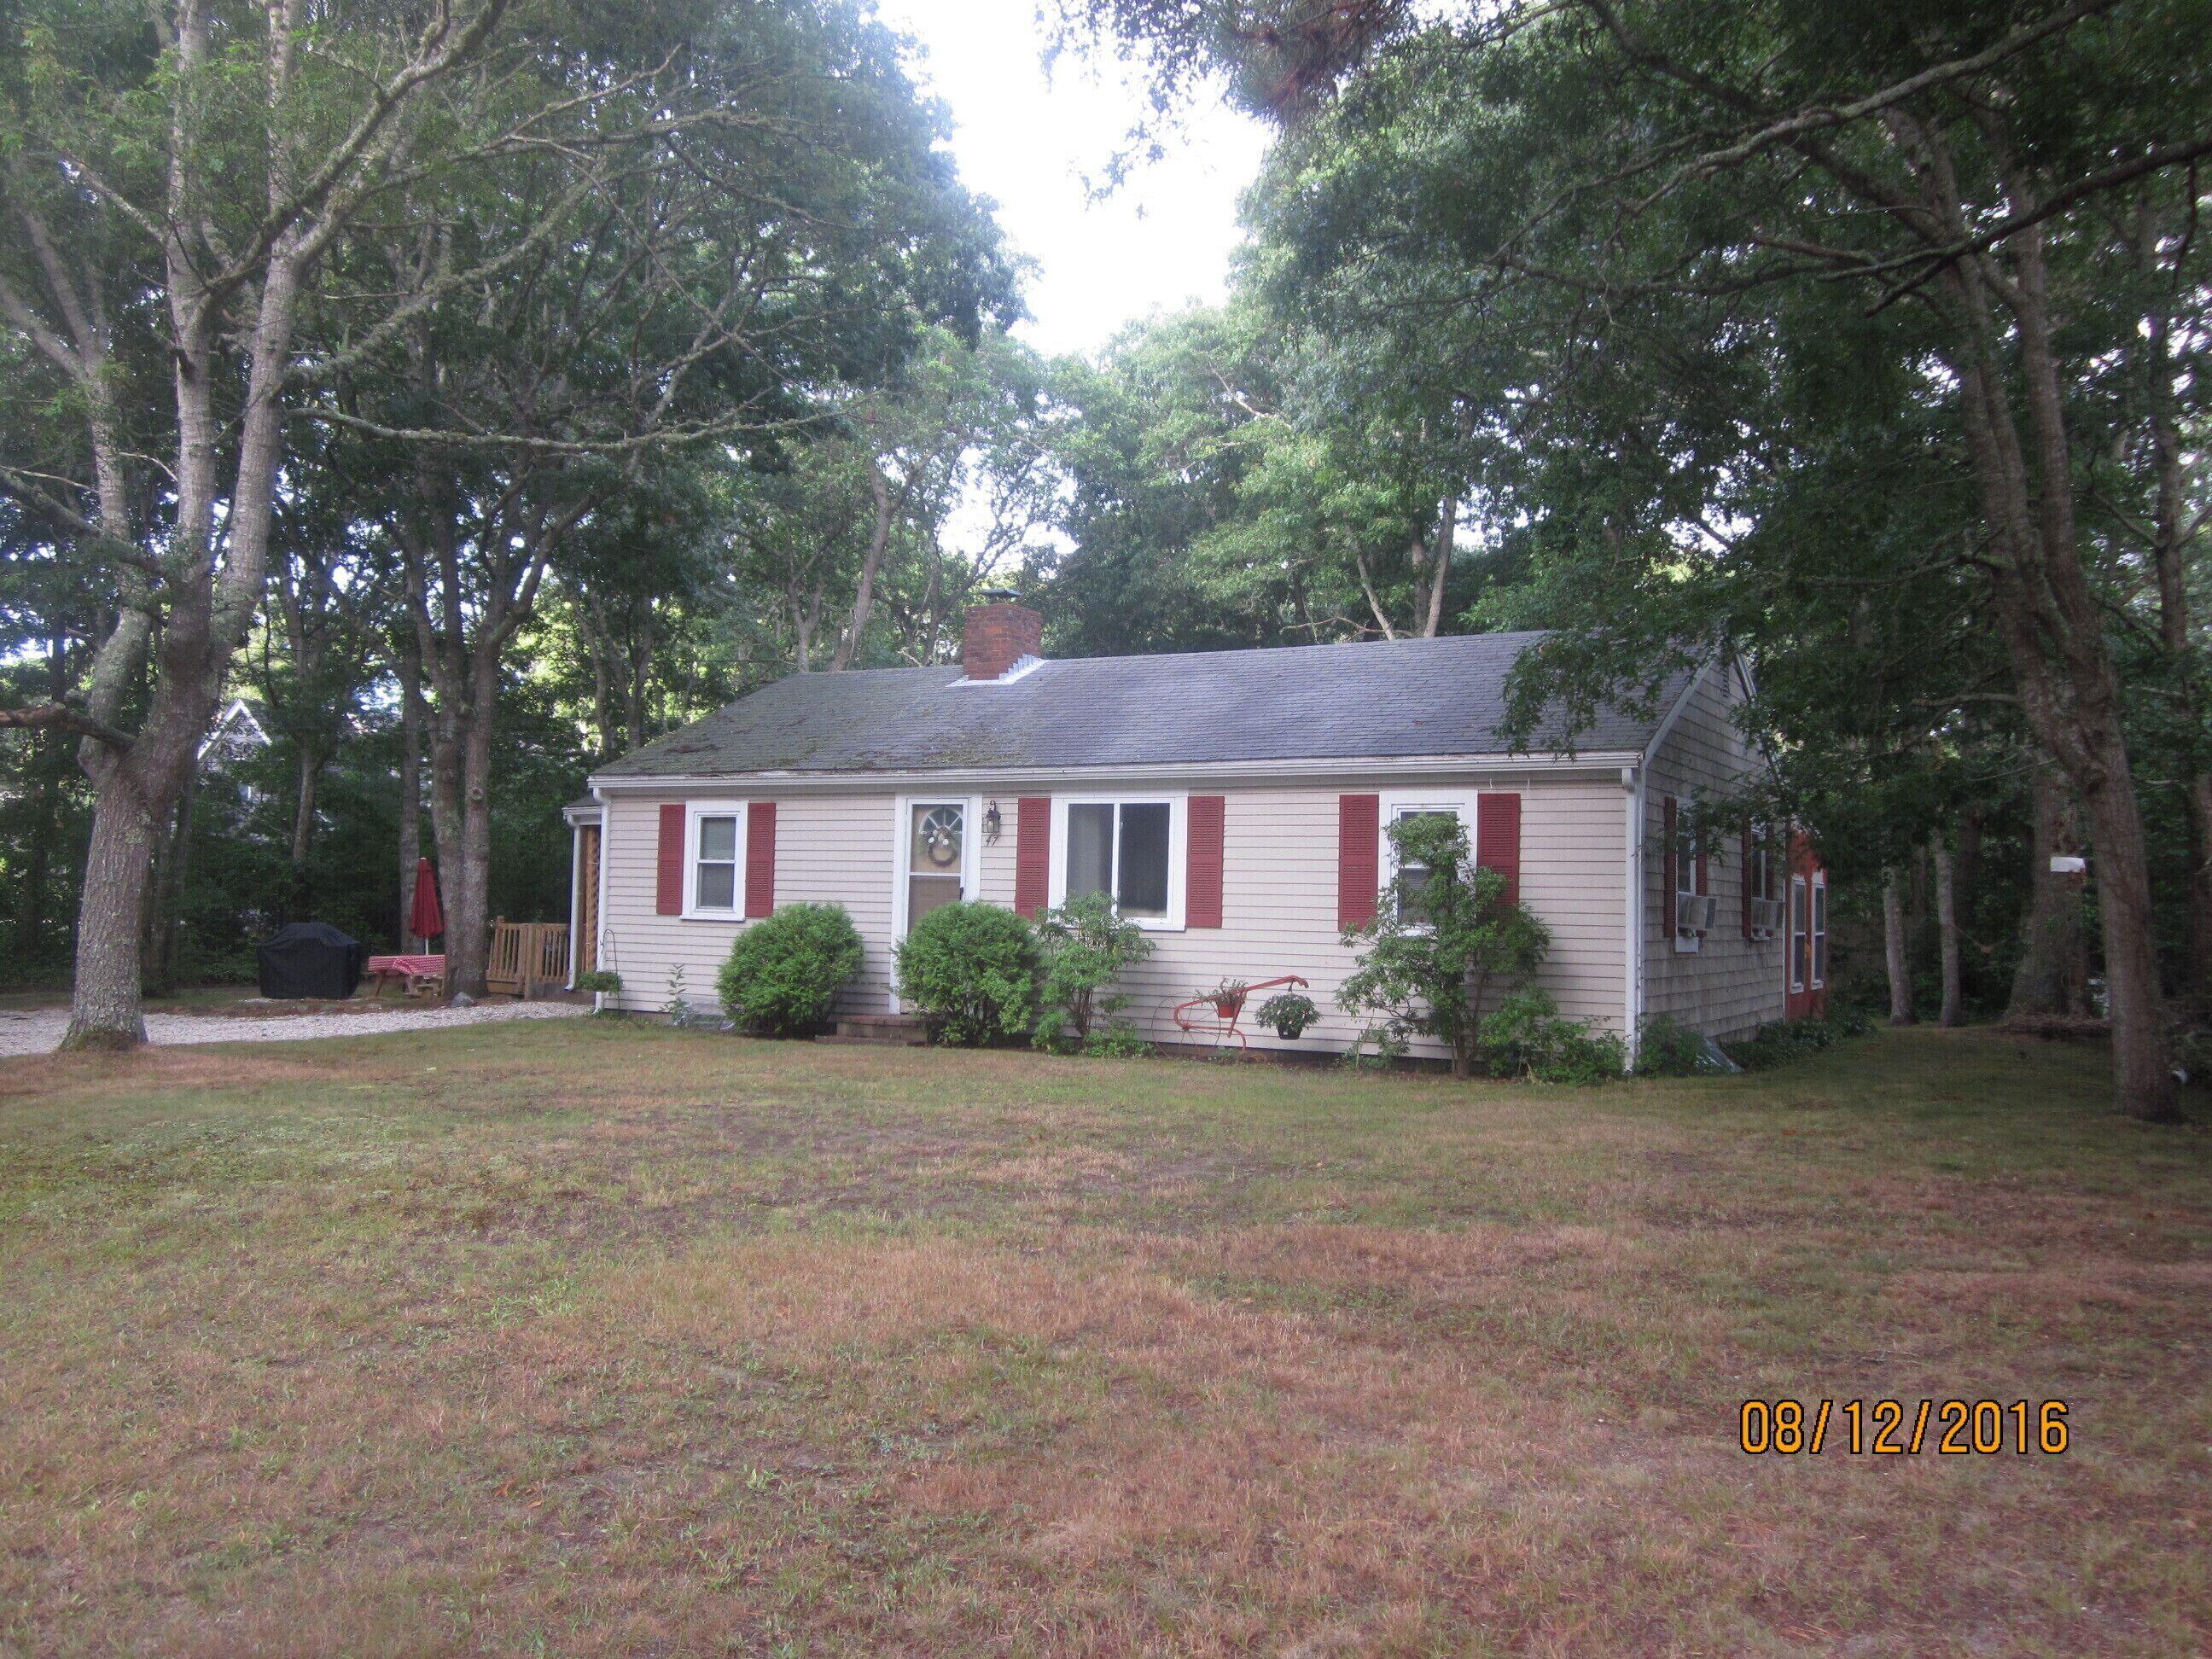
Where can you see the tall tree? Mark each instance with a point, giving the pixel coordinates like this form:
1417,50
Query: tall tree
172,183
1650,179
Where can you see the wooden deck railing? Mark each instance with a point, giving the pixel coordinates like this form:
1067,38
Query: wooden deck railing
527,957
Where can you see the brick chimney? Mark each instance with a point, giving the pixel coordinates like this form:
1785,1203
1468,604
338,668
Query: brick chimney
1000,634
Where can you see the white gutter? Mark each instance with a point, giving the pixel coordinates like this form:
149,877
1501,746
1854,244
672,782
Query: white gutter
1595,762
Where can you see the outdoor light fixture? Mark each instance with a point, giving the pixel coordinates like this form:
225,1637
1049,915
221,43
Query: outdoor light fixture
992,822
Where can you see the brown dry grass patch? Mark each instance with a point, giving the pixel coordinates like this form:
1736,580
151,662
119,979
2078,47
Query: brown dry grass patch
602,1341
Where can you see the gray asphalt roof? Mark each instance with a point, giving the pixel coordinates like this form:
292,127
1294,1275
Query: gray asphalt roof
1404,697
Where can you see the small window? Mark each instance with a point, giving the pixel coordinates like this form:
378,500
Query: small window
1799,939
1820,931
1689,911
1760,884
1121,848
715,865
1413,875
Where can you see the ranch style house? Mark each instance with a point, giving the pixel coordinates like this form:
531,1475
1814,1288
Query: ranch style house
1234,803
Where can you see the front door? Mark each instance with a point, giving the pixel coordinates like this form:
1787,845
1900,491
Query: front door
938,857
584,943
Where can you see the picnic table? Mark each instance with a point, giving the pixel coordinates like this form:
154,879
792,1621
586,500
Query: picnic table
420,975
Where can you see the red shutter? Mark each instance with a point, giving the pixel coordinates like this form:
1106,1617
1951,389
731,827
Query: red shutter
668,891
1498,839
1359,850
1746,884
1201,900
760,857
1673,876
1032,853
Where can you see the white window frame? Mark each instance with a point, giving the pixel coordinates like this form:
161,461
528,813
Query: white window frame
1816,930
1790,933
1762,859
1691,941
1177,801
1460,803
693,812
971,829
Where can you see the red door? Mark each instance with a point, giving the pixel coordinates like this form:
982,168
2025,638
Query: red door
1805,963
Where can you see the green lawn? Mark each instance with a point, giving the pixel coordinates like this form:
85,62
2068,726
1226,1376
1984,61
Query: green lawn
589,1337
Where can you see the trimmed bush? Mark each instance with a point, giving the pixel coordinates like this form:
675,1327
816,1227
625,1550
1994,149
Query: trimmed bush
971,971
785,971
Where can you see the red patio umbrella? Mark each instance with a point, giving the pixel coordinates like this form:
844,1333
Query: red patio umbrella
426,920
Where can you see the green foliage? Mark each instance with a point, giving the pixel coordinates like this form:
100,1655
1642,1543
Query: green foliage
1786,1040
970,969
600,982
1527,1036
1115,1041
1288,1013
1667,1047
1087,946
785,970
1439,945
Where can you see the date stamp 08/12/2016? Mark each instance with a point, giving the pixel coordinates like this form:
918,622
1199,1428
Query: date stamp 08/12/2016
1904,1428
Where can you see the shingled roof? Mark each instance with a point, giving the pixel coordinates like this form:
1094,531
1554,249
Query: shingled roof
1404,697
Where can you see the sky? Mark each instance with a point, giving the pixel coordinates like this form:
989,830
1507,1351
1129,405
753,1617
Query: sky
1030,140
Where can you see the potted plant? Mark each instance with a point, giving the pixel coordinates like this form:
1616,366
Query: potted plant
1289,1014
1228,997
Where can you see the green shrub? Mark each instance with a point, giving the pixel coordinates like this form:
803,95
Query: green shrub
971,971
1786,1040
603,981
1444,935
785,970
1087,945
1667,1047
1117,1042
1527,1036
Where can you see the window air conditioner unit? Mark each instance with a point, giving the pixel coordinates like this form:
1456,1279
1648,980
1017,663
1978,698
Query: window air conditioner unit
1694,912
1766,915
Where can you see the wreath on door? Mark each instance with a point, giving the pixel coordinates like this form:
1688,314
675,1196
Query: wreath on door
939,834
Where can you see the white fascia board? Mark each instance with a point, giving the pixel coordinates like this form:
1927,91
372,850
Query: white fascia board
580,815
1009,778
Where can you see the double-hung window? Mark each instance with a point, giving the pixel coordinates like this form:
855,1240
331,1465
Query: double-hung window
1820,929
1800,940
1413,875
1128,848
1759,883
714,853
1690,921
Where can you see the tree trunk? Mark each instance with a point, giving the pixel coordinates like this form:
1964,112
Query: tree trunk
1894,953
105,1008
864,597
411,786
2052,975
1947,932
2142,1072
303,829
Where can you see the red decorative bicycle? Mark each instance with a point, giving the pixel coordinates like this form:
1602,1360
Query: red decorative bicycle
1226,1005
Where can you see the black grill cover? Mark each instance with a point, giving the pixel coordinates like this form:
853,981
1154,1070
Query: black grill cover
311,959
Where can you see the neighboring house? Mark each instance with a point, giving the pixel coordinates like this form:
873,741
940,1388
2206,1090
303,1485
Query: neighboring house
237,736
1235,802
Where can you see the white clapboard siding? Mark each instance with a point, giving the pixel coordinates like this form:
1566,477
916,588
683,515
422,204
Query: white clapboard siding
1279,895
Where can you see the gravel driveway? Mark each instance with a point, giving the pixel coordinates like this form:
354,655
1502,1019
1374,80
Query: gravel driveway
38,1031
